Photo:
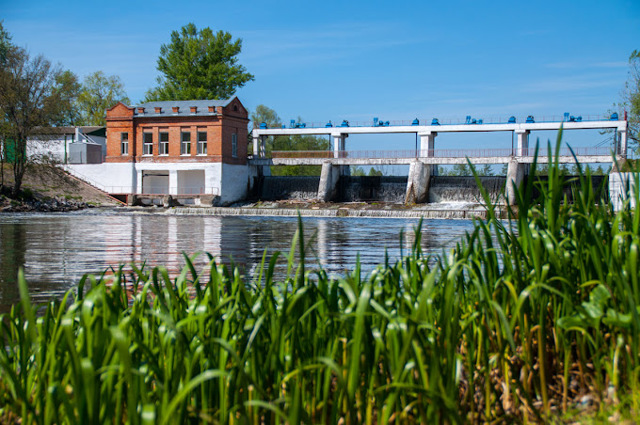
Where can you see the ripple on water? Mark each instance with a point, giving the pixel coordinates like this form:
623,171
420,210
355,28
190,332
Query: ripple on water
56,250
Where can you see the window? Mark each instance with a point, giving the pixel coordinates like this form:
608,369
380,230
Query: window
185,143
163,148
147,144
234,145
124,143
202,142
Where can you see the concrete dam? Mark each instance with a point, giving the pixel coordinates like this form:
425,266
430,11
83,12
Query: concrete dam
392,189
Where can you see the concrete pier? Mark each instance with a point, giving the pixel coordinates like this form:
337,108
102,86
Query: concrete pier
418,183
515,175
329,177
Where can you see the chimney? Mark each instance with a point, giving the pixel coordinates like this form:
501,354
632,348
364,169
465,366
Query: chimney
176,109
194,109
158,109
141,110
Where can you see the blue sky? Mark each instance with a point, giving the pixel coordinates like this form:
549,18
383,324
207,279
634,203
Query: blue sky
357,60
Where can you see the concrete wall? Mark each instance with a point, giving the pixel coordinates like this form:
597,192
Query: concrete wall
621,188
235,183
51,148
110,177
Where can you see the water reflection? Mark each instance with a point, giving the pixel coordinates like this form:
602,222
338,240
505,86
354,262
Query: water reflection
57,249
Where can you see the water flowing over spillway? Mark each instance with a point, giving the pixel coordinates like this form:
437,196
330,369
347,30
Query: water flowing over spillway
273,188
463,188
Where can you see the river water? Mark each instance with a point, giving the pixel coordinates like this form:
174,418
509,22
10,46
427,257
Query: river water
56,250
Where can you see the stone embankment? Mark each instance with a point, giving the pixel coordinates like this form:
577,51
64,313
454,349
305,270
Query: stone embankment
36,205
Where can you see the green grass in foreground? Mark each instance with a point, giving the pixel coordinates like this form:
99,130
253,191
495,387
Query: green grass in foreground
529,319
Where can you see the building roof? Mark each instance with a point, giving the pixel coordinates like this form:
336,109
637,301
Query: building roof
184,105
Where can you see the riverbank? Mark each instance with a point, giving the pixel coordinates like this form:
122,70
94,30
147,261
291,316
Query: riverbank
47,188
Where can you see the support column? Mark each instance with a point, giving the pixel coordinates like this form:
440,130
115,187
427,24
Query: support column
173,182
427,144
138,187
515,175
329,177
418,183
522,147
622,134
256,141
263,147
339,144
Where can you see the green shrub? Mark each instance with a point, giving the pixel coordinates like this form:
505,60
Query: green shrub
523,319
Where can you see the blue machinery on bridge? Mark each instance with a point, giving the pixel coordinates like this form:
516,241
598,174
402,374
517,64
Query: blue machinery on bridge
423,161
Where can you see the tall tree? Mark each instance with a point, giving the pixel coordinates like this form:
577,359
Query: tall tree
99,92
632,98
630,101
31,96
266,115
5,48
199,65
68,89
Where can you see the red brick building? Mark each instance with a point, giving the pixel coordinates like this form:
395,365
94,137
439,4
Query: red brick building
184,131
180,147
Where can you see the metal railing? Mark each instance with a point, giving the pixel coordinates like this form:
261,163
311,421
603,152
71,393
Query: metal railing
492,119
181,191
439,153
122,189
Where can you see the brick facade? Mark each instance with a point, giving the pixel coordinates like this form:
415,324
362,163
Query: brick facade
219,120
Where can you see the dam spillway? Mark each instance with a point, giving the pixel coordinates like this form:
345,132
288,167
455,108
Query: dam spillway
391,189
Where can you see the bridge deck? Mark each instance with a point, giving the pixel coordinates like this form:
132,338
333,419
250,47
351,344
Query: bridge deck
620,125
436,156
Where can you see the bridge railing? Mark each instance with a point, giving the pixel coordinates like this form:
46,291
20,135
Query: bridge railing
439,153
494,119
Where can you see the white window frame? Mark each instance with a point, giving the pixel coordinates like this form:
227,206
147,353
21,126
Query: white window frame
185,145
124,143
147,146
163,144
202,144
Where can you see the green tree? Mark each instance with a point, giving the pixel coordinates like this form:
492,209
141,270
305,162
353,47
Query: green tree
5,48
630,101
68,89
264,114
199,65
99,92
633,97
32,95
